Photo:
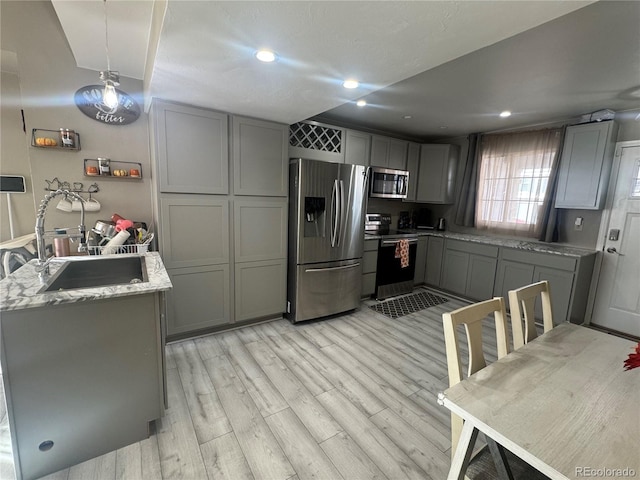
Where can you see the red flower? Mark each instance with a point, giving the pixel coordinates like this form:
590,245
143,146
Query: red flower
634,359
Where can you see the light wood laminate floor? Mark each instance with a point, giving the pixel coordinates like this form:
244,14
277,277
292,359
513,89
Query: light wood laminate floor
351,397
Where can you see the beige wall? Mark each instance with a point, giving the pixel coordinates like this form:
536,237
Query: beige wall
629,129
14,159
48,79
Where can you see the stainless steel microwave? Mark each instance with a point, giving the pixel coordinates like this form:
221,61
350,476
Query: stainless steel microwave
388,183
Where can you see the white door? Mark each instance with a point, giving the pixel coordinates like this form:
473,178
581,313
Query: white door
617,298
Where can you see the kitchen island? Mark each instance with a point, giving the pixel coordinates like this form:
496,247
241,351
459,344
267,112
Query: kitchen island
83,368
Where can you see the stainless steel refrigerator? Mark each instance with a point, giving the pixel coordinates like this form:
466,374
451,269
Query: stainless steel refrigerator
327,203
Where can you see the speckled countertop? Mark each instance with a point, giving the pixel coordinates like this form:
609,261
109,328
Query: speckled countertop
533,246
20,289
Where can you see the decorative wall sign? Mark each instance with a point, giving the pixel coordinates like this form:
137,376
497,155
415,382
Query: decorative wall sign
89,100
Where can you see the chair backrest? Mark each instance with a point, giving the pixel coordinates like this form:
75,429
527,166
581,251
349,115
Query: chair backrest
471,316
521,303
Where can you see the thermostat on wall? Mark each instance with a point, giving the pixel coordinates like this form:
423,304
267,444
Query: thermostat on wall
12,184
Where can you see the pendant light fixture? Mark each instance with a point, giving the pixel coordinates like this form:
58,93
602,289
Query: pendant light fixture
110,78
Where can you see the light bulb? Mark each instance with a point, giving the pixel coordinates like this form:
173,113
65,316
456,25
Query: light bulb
350,84
110,96
266,56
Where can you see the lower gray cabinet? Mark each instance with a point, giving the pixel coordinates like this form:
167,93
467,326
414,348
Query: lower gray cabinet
200,298
261,289
518,268
421,260
87,383
435,250
469,269
369,267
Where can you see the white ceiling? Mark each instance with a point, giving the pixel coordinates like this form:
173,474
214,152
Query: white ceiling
201,53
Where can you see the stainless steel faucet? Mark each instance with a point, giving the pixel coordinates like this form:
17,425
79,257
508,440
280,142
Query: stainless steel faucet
42,266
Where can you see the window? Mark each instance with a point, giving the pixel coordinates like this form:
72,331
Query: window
513,181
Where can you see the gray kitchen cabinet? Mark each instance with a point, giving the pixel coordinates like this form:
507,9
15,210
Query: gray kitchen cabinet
469,268
260,289
413,162
193,230
388,152
585,165
357,147
200,299
191,149
260,229
260,157
260,232
216,241
369,267
435,251
436,173
569,278
81,379
421,260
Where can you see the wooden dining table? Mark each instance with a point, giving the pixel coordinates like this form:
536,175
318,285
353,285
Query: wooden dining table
563,403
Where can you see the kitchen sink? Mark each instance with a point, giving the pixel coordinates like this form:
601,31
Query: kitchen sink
101,272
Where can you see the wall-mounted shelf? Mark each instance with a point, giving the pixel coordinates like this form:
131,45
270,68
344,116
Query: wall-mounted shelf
62,139
129,167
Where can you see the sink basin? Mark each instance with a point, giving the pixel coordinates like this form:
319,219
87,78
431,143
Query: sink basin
101,272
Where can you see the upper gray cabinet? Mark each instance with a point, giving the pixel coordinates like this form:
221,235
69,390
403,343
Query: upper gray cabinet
260,158
388,152
357,147
437,173
413,162
585,165
192,149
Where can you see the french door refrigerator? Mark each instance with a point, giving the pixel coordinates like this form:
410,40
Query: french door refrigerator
327,203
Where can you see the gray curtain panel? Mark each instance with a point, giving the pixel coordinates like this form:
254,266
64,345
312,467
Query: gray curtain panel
549,232
466,207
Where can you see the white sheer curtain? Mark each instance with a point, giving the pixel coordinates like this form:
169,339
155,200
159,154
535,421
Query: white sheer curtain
514,180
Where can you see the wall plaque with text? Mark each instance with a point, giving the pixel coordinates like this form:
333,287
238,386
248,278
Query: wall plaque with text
89,100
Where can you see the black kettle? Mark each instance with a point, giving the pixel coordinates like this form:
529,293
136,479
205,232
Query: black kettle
441,224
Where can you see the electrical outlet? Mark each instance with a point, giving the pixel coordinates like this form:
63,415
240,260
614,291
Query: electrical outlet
578,224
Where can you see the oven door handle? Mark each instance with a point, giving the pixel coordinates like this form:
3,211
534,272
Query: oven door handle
385,243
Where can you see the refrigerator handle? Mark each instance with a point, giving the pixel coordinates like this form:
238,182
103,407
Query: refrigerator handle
334,213
341,212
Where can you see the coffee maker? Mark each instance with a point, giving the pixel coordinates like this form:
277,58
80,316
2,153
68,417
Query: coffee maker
424,219
405,221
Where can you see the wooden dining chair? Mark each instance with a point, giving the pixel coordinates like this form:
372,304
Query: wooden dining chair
521,303
471,317
496,461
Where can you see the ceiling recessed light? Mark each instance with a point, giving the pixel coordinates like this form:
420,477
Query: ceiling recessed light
505,114
361,103
407,117
350,84
266,56
443,127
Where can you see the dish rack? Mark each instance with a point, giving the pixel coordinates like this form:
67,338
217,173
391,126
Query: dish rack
106,250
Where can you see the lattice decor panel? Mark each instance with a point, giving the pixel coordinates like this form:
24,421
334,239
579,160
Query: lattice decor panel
315,137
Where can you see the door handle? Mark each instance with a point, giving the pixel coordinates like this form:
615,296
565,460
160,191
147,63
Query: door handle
613,250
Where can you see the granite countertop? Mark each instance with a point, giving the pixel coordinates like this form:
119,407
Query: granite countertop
19,290
529,245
